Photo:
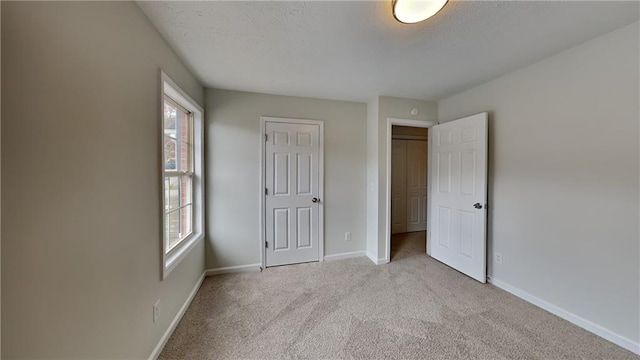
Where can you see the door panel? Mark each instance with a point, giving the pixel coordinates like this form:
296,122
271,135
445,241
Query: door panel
444,172
444,218
468,166
416,185
281,173
292,181
305,163
281,229
458,229
398,186
304,227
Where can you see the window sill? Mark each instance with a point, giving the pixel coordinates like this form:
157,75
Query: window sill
171,261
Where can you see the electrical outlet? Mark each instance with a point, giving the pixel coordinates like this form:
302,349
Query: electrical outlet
347,236
498,258
156,311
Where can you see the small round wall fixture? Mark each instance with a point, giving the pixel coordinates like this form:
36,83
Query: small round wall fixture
415,11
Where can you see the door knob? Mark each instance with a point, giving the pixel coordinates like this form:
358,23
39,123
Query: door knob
477,206
315,200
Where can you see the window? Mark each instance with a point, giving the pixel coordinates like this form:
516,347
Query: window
182,154
178,173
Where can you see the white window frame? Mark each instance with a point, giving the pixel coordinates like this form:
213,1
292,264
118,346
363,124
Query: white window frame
173,257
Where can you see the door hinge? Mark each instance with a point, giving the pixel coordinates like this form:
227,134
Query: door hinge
266,191
266,137
266,244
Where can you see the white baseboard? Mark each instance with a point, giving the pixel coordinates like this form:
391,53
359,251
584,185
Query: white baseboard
377,261
232,269
572,318
172,327
347,255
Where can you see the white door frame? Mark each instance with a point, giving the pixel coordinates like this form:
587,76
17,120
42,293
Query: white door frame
387,218
261,190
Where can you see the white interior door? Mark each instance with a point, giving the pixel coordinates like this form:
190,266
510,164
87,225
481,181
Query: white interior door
416,185
398,186
292,193
459,194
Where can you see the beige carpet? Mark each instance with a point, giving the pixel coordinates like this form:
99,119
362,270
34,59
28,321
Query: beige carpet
412,308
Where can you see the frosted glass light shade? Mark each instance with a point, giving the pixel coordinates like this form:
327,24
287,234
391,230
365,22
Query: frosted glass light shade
414,11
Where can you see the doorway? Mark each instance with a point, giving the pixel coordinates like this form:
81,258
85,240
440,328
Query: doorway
457,192
419,218
291,204
408,189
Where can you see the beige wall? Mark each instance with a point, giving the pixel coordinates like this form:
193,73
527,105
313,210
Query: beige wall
372,178
233,171
563,187
81,253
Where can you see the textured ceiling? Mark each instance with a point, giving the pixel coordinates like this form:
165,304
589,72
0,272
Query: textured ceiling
356,50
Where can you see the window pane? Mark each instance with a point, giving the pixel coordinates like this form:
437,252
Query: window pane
171,193
185,126
170,113
178,137
172,231
184,137
170,153
185,190
185,157
186,217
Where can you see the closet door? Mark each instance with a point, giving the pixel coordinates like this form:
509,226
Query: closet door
398,186
416,185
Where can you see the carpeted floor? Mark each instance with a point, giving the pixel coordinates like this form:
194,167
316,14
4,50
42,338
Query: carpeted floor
412,308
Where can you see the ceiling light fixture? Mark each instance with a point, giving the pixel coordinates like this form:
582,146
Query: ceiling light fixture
414,11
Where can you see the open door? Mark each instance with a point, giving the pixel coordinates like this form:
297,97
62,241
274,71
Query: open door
458,213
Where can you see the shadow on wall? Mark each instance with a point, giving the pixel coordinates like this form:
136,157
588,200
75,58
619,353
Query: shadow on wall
222,184
490,184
